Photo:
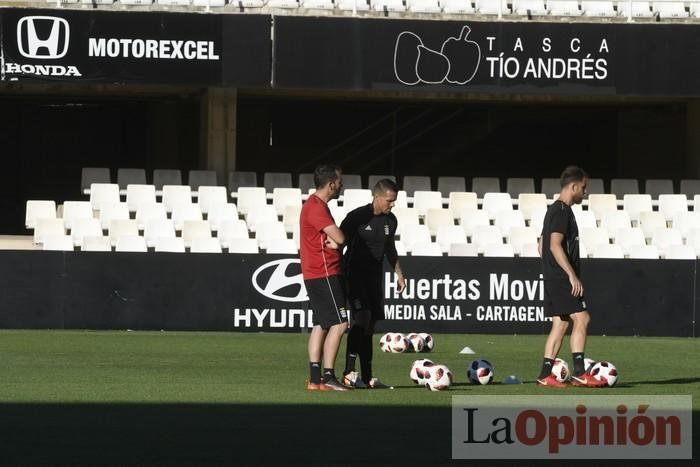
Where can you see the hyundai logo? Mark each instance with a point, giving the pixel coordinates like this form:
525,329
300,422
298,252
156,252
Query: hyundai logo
281,280
53,43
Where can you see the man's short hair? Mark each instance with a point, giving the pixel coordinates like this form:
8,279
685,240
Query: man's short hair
324,174
572,174
384,185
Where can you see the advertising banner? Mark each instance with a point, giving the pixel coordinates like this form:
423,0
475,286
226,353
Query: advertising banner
570,58
252,293
135,47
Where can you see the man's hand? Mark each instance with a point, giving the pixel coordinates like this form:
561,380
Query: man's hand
401,283
576,286
331,244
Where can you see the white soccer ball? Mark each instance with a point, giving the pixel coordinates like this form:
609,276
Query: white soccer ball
560,370
428,340
417,373
480,372
385,342
588,364
605,371
399,343
417,342
437,377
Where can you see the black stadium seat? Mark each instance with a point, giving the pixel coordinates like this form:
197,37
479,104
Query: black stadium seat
197,178
413,183
352,181
624,186
690,187
373,179
515,186
446,185
130,177
595,186
166,177
481,185
306,182
550,186
90,175
239,178
272,180
659,186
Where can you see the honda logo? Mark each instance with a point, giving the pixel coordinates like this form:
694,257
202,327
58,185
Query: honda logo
281,280
43,37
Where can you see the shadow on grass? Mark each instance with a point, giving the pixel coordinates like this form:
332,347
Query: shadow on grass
210,434
665,381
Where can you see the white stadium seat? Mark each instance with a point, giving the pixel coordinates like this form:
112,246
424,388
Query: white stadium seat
458,201
640,9
73,210
598,8
185,212
600,203
426,249
282,4
281,246
490,7
462,249
471,219
138,194
131,243
685,221
58,243
349,5
147,212
628,237
97,243
437,217
243,245
338,214
250,198
406,218
174,195
423,6
681,252
563,8
356,197
232,229
635,204
505,220
644,252
400,248
530,203
48,227
527,7
418,234
110,212
424,200
103,193
493,203
591,237
170,245
195,229
530,250
607,251
664,238
614,220
157,228
123,228
283,197
669,205
499,251
290,218
447,235
270,231
693,240
261,215
218,213
537,220
585,219
318,4
38,209
205,245
670,9
209,3
650,221
85,227
458,7
389,5
518,237
486,235
209,196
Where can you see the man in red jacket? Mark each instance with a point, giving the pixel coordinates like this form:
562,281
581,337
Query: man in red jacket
320,243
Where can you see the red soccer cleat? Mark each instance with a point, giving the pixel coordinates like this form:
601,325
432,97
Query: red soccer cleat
550,381
587,380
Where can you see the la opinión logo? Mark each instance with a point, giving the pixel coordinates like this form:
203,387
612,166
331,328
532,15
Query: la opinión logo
456,62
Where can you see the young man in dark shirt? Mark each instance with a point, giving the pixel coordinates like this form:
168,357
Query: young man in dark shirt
563,290
369,233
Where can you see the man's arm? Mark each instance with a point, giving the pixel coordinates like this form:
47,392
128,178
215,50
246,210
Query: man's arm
393,257
336,235
560,257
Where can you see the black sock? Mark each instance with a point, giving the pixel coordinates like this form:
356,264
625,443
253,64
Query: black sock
366,357
328,374
353,348
547,365
315,372
579,365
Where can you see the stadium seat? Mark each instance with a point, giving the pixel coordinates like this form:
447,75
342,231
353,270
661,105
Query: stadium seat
659,186
486,235
530,250
669,205
349,5
209,196
492,250
423,6
198,178
46,228
250,199
103,193
388,5
493,203
218,213
459,201
598,8
614,220
174,195
437,217
170,245
248,3
418,234
123,228
537,220
338,213
38,209
207,4
126,177
231,229
406,218
354,198
243,245
664,238
550,186
283,197
290,218
261,215
448,234
400,248
163,177
505,220
650,221
640,9
317,4
237,179
149,211
529,203
205,245
490,7
448,185
195,229
636,204
601,203
483,185
624,186
137,194
564,8
373,179
693,240
58,243
690,188
585,219
272,180
352,181
96,243
644,252
462,249
461,7
426,249
681,252
73,210
520,236
413,183
109,212
184,212
592,237
306,182
473,218
90,175
602,250
628,237
131,243
529,7
135,2
157,228
424,200
281,246
287,4
269,231
685,221
595,186
515,186
670,9
696,203
401,199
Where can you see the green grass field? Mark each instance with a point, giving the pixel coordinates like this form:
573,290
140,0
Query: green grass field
148,398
